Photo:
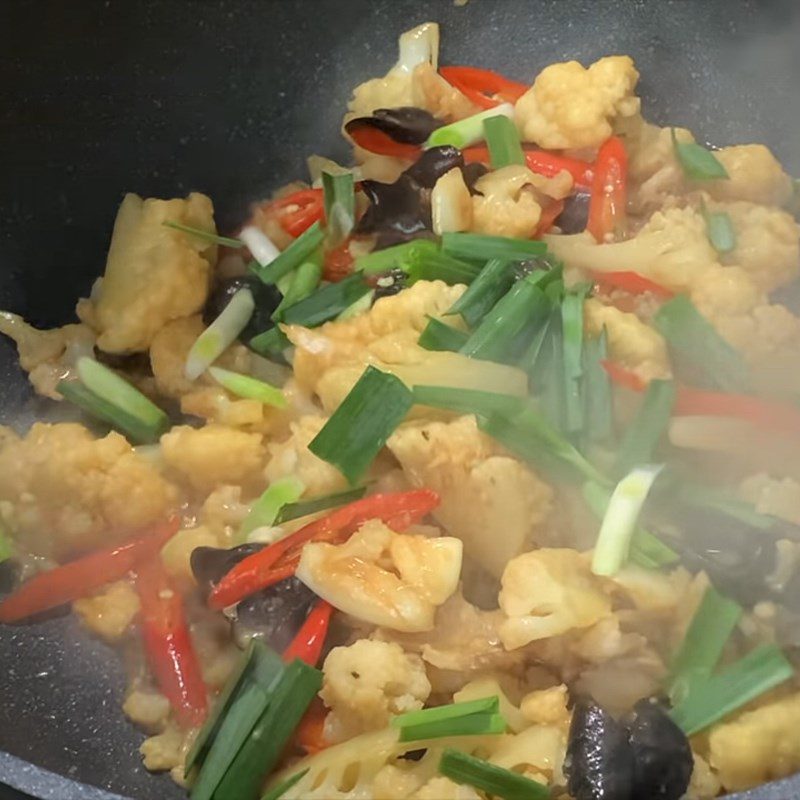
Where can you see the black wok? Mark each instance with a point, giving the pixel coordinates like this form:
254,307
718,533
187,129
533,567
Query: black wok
100,97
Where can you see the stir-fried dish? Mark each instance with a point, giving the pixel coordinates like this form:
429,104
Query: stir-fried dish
468,471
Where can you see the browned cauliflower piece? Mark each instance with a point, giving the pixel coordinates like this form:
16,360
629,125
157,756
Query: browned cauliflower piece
492,502
546,593
208,457
758,746
109,612
48,356
384,578
754,175
153,274
368,682
570,106
70,492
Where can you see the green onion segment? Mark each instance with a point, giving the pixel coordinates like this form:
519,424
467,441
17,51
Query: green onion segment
502,139
440,336
493,281
266,509
209,236
297,510
495,781
304,280
620,520
467,131
327,302
392,257
473,718
479,247
248,387
220,334
270,343
467,401
709,701
261,247
696,161
597,397
697,348
293,256
572,359
339,198
720,230
710,628
358,429
120,400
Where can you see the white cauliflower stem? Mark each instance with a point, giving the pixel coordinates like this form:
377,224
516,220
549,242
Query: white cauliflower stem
383,577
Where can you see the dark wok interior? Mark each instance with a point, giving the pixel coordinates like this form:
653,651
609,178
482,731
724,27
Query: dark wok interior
229,97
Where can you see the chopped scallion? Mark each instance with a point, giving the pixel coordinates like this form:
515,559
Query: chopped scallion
503,141
483,705
117,392
271,343
292,511
696,161
384,260
598,410
572,340
469,725
294,255
360,306
266,509
467,131
720,230
327,302
213,238
304,280
620,520
479,247
358,429
424,264
710,628
258,755
698,349
440,336
709,701
340,205
261,247
493,281
644,433
467,401
247,387
495,781
220,334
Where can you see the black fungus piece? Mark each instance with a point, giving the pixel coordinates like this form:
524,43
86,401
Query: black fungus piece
267,298
414,755
274,614
391,282
662,757
209,564
599,763
434,163
407,124
575,216
472,174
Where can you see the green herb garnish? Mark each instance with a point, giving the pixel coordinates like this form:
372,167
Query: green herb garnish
267,508
697,162
292,511
493,281
248,387
224,241
489,778
339,198
503,141
293,256
327,302
467,131
479,247
440,336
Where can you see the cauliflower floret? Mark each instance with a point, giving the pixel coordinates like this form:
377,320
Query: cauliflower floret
548,592
547,706
489,687
330,359
433,93
177,552
493,503
569,106
505,206
758,746
109,612
754,174
537,752
704,784
292,457
767,243
153,274
383,577
48,356
366,683
451,203
69,491
631,342
208,457
148,709
671,249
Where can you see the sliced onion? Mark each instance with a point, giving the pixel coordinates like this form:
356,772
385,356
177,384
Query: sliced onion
259,244
220,335
418,46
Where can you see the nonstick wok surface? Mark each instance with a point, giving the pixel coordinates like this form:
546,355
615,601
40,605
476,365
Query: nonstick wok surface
228,98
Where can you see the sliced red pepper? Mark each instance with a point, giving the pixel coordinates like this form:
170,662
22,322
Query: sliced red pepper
78,578
338,262
483,87
609,199
310,733
397,510
631,282
624,377
542,162
550,213
168,644
379,142
307,644
298,211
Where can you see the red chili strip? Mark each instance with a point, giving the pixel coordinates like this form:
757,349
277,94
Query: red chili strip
609,198
82,576
307,644
484,87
